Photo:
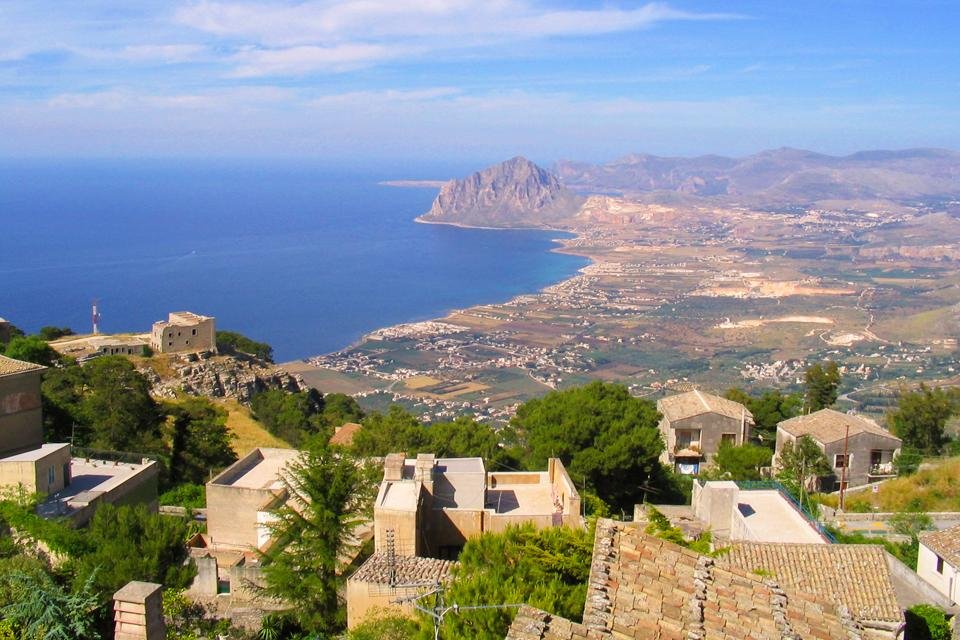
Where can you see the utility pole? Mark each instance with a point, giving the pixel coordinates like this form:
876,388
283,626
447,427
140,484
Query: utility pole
846,463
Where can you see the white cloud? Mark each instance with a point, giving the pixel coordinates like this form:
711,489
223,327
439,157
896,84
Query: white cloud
333,36
308,59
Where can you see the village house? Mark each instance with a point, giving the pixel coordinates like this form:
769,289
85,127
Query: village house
72,486
183,331
858,449
694,426
938,561
434,505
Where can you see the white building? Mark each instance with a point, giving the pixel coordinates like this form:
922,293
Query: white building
939,561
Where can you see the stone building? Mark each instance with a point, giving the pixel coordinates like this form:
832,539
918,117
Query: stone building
183,331
434,505
858,449
384,579
695,424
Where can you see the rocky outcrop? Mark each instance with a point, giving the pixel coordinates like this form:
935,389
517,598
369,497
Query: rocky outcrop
515,193
219,377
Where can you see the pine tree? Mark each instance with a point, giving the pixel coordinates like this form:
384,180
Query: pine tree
823,386
329,493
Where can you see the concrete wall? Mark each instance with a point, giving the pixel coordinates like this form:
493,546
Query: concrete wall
34,475
715,503
564,490
406,526
367,599
450,528
168,337
232,515
21,418
141,488
711,426
947,582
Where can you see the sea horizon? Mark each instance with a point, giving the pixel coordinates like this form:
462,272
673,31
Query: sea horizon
295,254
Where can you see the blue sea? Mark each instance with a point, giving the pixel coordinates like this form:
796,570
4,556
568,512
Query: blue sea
302,256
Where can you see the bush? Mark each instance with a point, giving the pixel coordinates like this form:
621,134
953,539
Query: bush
927,622
233,342
191,496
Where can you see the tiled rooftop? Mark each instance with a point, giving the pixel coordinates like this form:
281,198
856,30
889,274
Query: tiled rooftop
945,543
827,426
695,403
855,575
642,587
9,366
407,570
343,437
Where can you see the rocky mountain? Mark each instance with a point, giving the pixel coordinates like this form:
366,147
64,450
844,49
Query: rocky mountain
779,175
515,193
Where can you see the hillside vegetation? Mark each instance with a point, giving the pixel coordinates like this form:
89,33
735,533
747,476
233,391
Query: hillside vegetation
933,489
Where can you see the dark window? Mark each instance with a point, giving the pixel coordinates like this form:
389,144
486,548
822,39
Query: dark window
939,564
840,460
194,332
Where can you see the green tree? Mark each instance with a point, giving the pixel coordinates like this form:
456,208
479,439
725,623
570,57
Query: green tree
397,430
907,462
388,626
45,610
52,333
199,440
233,342
822,386
600,432
292,417
546,568
330,494
738,463
768,410
911,523
117,407
921,417
801,462
339,408
62,391
130,543
31,349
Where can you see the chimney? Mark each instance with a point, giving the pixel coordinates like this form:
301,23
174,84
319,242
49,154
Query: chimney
138,612
423,471
393,466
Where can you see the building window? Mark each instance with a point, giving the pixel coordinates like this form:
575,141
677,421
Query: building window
194,332
688,439
51,476
840,460
939,564
728,439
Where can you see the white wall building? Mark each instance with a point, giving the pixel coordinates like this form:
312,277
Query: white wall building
939,561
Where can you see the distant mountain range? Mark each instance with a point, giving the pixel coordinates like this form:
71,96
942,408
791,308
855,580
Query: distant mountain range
779,175
518,193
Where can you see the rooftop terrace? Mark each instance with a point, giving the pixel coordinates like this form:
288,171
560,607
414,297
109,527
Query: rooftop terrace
259,469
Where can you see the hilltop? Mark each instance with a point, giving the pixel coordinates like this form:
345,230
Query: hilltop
515,193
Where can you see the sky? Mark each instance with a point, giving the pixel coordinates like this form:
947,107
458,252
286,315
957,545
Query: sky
474,80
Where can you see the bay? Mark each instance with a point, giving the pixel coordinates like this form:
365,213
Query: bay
303,256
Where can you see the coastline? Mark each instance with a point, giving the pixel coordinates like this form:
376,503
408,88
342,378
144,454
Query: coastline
563,248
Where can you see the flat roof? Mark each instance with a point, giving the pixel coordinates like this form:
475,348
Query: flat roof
37,454
399,495
459,465
259,469
89,479
772,519
522,499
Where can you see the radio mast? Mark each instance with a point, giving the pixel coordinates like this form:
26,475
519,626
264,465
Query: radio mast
96,318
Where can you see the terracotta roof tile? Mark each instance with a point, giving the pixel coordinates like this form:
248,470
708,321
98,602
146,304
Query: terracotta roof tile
343,436
9,366
695,403
856,576
945,543
407,570
828,425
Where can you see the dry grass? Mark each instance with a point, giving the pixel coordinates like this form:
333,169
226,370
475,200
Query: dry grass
935,489
249,433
